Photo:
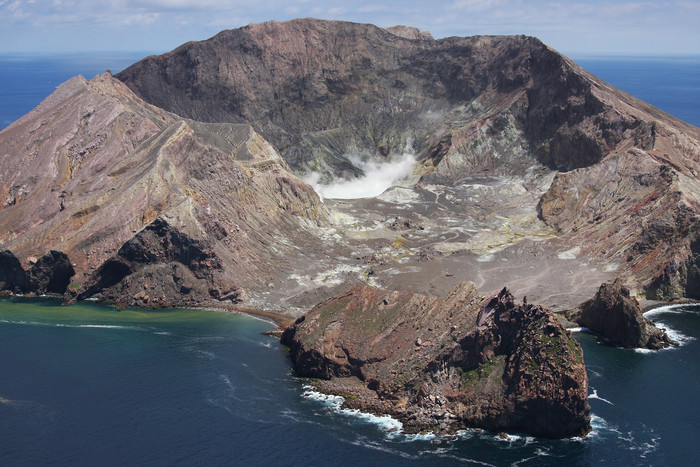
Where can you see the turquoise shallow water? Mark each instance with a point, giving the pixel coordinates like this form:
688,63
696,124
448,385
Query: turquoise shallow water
87,385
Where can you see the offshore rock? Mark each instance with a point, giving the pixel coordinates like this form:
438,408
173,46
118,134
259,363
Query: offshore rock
618,317
446,364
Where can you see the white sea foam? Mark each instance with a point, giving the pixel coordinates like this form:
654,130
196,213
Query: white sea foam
63,325
580,329
102,326
378,177
677,336
386,423
668,309
600,426
674,334
596,396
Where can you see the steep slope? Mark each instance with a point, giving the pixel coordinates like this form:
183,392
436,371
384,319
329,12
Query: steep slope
497,108
93,171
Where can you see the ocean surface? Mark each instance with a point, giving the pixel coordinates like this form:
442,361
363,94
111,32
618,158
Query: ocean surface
87,385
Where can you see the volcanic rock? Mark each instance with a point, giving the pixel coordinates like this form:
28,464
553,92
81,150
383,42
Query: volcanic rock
13,278
446,364
525,162
159,266
618,317
52,273
612,175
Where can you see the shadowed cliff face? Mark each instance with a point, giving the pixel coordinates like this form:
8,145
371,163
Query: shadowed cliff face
321,89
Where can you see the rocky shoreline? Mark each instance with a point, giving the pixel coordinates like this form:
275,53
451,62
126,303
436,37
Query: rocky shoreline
463,361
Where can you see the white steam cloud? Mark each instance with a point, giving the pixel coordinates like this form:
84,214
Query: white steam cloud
378,177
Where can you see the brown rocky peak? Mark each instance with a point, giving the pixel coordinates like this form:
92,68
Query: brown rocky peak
524,162
94,170
409,32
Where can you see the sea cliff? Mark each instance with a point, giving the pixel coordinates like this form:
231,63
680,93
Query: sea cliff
443,364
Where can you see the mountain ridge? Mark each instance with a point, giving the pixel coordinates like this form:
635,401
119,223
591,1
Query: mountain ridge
483,106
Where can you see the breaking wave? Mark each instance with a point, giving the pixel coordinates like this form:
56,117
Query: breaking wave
674,334
668,309
62,325
385,423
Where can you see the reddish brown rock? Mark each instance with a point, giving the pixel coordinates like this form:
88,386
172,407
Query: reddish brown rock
445,364
618,317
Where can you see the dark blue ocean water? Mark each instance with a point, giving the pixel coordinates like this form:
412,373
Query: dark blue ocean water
27,79
86,385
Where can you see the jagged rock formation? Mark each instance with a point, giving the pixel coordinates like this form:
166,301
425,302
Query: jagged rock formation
127,190
50,274
626,188
618,317
445,364
159,266
680,278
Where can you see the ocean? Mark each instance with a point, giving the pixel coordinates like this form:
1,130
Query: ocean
87,385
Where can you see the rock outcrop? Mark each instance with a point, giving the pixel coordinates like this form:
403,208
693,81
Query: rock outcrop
160,266
618,317
445,364
51,273
13,278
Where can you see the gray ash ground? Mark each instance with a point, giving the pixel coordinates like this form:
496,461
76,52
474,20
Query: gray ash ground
428,238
